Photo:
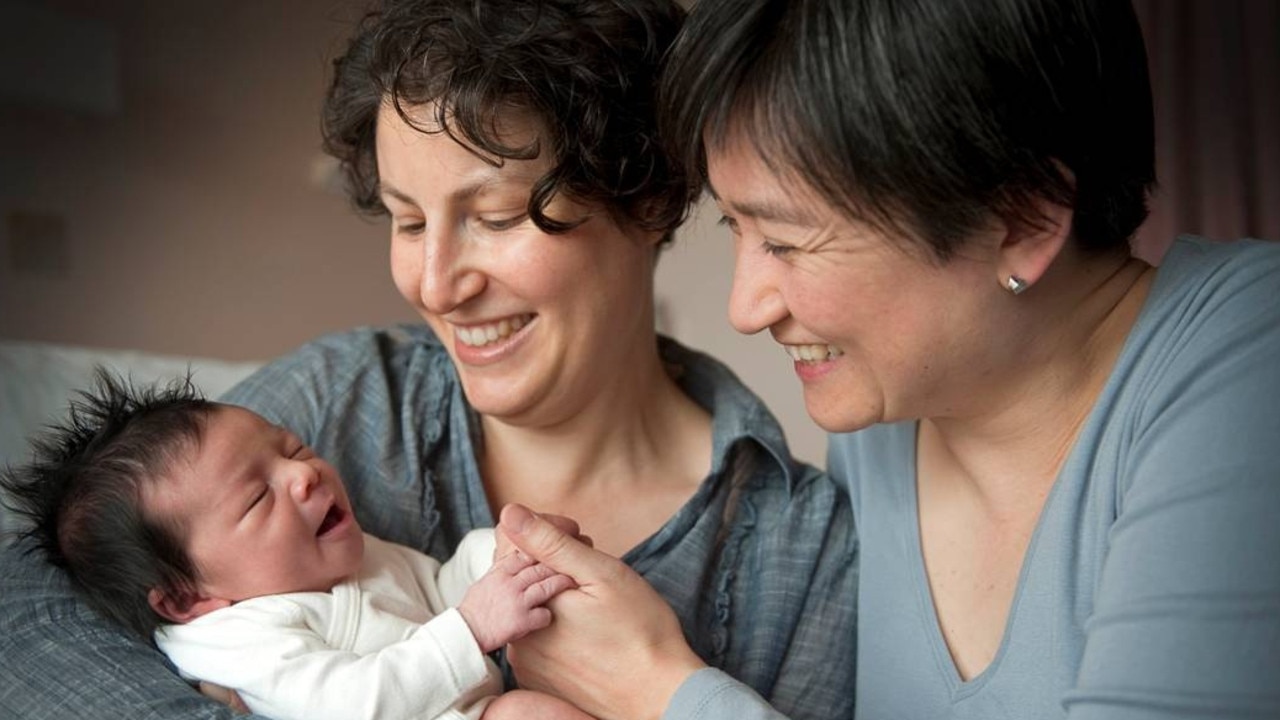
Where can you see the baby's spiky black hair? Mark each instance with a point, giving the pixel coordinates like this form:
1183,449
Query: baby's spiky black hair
79,496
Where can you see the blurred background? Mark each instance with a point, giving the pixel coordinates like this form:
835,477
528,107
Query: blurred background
162,187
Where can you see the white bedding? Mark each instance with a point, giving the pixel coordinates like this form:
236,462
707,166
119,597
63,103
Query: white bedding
37,380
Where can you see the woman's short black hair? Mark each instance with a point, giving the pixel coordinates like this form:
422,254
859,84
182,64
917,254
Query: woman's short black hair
927,117
587,70
81,495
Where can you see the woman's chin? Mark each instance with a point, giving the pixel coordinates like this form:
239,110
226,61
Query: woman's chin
834,413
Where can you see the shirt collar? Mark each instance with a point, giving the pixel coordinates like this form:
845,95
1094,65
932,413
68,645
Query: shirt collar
737,414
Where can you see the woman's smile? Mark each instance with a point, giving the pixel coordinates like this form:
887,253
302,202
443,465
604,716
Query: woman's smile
481,334
488,343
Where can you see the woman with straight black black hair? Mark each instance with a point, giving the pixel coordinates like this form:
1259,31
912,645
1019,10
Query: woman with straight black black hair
1063,461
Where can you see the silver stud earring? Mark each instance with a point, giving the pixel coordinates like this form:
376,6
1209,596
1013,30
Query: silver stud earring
1016,285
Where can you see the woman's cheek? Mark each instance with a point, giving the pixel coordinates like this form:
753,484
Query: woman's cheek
406,274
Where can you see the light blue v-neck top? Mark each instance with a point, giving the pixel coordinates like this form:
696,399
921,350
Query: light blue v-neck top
1151,587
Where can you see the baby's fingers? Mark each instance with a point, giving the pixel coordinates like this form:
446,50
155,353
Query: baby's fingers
513,563
534,573
543,590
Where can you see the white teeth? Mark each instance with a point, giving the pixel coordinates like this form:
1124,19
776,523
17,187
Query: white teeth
481,335
812,353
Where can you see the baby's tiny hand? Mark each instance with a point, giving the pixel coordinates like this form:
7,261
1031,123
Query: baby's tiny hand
508,602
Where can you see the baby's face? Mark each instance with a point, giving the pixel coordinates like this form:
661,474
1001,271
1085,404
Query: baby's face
259,513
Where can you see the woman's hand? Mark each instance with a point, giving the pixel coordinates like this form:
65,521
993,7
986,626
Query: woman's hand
567,525
614,648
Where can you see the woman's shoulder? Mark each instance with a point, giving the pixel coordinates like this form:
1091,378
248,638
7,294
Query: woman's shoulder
1198,371
346,374
339,356
1196,266
1192,248
363,348
1207,293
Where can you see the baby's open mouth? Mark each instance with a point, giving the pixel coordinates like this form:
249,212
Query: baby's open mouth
331,520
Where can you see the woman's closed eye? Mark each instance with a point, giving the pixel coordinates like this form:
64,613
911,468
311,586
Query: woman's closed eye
501,223
775,249
730,223
409,227
769,246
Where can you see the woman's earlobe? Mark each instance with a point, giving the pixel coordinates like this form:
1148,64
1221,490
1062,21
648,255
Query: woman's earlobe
1030,247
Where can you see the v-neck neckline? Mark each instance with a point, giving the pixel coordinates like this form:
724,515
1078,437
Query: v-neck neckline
929,615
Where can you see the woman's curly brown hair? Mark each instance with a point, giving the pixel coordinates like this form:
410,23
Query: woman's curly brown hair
587,69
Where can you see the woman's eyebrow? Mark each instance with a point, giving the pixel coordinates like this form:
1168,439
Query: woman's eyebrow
388,191
768,210
479,186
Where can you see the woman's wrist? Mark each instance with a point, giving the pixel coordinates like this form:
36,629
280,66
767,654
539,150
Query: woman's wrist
670,670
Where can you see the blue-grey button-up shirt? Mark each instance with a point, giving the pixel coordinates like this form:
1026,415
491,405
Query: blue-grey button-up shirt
759,564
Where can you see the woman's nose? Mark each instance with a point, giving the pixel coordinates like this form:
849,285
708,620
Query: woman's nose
755,303
450,273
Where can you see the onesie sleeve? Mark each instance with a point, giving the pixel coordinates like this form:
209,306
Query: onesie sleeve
284,669
1186,620
472,560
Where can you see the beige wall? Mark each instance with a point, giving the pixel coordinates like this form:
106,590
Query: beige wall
194,225
191,224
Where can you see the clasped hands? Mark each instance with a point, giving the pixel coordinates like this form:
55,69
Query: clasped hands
614,647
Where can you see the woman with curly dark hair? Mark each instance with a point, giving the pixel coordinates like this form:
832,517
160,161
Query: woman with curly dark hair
511,144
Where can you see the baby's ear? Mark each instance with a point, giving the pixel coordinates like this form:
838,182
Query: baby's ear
183,606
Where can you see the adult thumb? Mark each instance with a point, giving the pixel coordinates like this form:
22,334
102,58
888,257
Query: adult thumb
543,541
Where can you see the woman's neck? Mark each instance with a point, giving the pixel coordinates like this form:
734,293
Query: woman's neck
1011,449
620,465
